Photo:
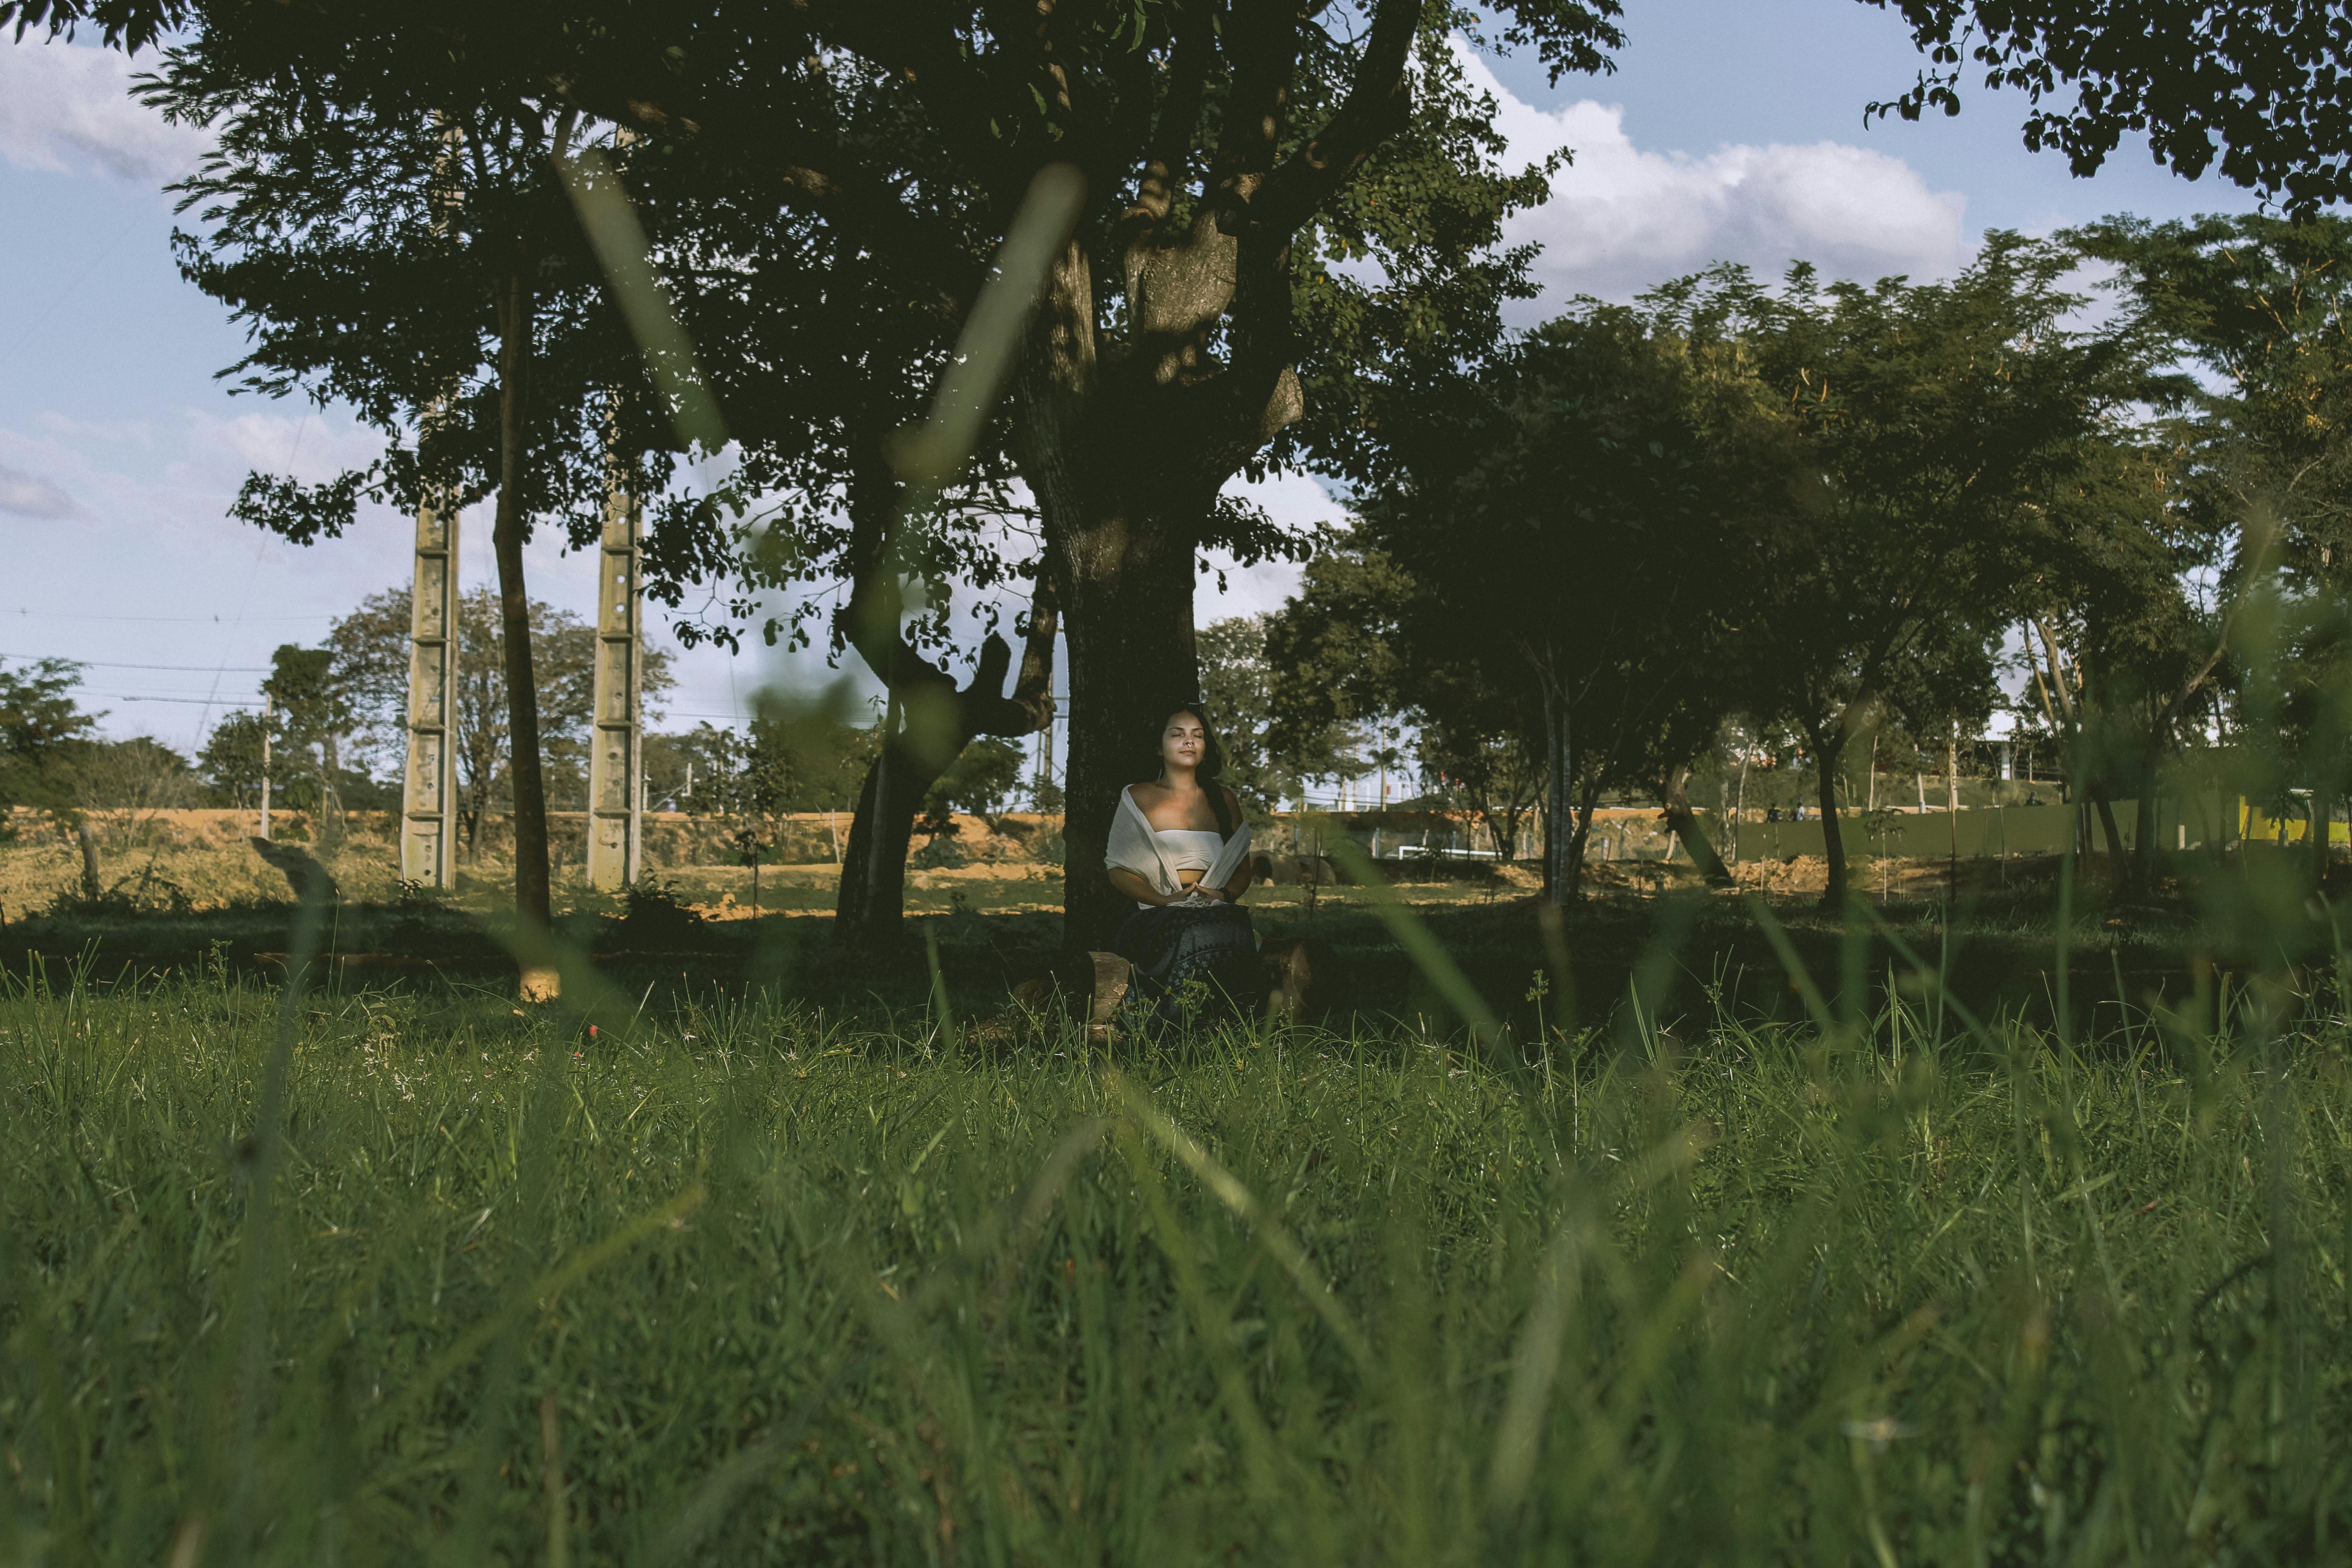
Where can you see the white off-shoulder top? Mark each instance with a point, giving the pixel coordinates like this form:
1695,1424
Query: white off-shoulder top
1155,855
1190,849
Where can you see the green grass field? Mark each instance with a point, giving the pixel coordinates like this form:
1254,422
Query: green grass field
404,1276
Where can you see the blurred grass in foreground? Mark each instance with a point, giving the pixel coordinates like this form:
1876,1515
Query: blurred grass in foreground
761,1286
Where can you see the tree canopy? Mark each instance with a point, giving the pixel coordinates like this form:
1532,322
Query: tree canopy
41,727
2263,90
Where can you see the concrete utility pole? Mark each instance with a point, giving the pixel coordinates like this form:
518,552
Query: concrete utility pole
428,784
265,711
428,791
615,800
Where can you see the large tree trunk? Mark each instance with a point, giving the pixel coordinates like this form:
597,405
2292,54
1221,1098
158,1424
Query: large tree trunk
2144,831
1581,839
1563,844
1128,611
531,894
1826,754
1674,797
873,898
1125,452
330,798
928,722
1125,464
2115,836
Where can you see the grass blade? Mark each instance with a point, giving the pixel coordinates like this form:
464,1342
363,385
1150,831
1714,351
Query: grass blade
1229,1189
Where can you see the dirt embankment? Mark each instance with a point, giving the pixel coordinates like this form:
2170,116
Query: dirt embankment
671,838
206,859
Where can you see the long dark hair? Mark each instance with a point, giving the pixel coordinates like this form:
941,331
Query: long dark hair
1212,770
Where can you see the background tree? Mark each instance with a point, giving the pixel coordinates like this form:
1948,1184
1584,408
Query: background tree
1481,743
811,761
2265,91
233,762
2262,482
1282,727
693,770
42,730
779,763
310,712
1929,428
978,783
1337,663
1361,638
2261,303
1565,514
389,224
370,648
1236,684
2121,655
1232,154
133,779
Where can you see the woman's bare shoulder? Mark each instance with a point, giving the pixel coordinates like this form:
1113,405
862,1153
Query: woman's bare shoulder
1233,802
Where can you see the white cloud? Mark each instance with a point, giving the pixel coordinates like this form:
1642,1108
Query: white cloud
30,495
133,480
1293,501
312,447
65,107
1621,218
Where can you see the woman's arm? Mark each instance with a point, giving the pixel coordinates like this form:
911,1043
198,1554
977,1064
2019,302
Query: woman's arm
1234,890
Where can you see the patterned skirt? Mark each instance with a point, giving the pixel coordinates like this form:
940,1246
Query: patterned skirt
1188,959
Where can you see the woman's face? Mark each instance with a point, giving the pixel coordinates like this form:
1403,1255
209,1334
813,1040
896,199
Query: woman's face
1184,742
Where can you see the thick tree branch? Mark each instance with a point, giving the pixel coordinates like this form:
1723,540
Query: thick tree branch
987,710
1168,152
1377,102
2172,710
1260,389
2057,673
869,622
1261,44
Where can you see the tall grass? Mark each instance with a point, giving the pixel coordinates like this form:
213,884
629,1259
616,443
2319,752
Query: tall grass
746,1283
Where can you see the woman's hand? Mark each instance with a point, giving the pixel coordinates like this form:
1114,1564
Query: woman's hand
1194,893
1131,886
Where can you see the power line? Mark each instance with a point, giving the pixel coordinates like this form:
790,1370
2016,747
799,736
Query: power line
81,274
125,697
157,620
253,581
114,664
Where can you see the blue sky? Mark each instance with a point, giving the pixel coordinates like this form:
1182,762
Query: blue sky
1733,130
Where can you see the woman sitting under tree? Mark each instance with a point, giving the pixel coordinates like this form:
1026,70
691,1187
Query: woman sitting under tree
1179,848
